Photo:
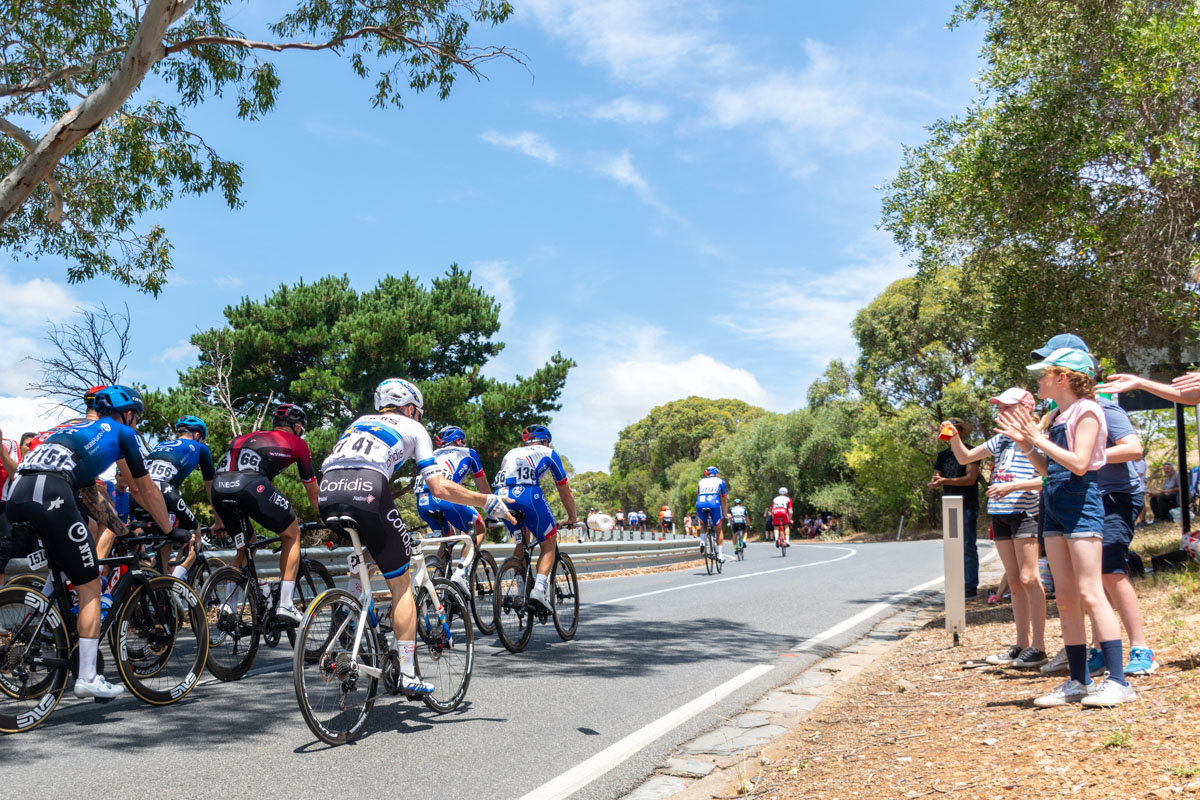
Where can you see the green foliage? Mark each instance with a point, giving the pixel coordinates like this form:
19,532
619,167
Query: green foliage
140,157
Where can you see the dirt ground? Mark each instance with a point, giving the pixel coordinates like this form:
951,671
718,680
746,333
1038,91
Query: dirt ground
918,723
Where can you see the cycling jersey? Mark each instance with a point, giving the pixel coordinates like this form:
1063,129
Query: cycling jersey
525,466
383,442
457,463
269,453
82,450
710,491
781,509
738,514
173,460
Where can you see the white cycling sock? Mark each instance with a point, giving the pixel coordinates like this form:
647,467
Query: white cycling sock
87,659
48,586
232,595
408,660
541,583
179,572
286,588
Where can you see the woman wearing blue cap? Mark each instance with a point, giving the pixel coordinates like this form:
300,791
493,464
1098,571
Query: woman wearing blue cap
1068,453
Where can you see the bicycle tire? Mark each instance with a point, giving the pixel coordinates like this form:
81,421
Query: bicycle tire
167,617
312,579
448,650
709,559
514,623
28,579
23,706
233,640
320,693
718,562
565,585
483,587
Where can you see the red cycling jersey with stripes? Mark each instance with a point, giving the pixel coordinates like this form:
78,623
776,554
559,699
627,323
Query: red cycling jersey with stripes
269,453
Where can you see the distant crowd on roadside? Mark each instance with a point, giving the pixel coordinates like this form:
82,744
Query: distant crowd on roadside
1069,483
810,527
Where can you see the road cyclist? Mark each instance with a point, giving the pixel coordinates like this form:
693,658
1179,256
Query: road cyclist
781,515
665,519
711,506
739,516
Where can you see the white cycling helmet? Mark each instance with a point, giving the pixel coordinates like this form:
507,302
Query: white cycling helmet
783,490
398,393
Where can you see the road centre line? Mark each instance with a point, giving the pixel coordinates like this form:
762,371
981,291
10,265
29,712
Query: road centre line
703,583
584,773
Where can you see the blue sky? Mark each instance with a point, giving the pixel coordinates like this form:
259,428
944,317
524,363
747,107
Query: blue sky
681,196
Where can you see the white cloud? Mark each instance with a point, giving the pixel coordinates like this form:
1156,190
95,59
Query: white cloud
230,282
528,143
628,110
497,278
21,414
31,300
182,350
621,169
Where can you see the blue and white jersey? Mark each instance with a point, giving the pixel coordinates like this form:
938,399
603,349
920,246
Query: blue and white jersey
1011,465
710,491
83,450
383,442
525,466
738,513
172,461
457,463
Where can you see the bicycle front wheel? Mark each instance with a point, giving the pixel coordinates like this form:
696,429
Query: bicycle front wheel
483,587
709,559
35,655
446,652
514,622
565,597
162,640
231,608
335,698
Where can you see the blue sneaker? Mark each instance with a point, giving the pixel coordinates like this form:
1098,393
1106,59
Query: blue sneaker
1141,661
1095,661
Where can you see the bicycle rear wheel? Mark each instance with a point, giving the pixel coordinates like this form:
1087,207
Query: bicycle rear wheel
446,652
162,640
35,655
565,584
312,579
232,634
483,587
514,622
335,699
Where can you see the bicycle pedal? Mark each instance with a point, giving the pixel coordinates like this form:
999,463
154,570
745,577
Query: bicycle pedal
102,700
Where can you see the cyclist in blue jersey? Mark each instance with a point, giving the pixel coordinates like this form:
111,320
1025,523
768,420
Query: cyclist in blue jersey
457,461
523,468
711,504
169,464
44,495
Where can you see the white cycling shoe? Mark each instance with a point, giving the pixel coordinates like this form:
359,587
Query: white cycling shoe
540,597
293,614
459,578
412,685
98,687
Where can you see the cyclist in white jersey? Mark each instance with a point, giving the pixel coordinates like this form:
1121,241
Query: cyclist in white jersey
457,461
523,469
355,483
711,503
781,515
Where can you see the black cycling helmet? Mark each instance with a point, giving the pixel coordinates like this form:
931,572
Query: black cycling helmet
116,399
290,414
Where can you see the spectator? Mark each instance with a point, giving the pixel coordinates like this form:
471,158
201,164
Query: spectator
1166,498
769,523
1139,467
833,524
957,480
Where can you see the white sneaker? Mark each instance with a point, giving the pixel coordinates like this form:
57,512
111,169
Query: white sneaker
1071,691
98,687
1109,694
539,596
1056,664
289,613
1004,657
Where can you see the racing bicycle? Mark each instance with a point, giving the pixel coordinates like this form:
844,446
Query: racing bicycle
739,543
343,652
712,554
515,615
481,573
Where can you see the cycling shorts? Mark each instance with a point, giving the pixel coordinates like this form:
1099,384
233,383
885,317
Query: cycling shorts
710,514
181,515
780,516
46,500
529,501
369,504
459,517
242,496
737,527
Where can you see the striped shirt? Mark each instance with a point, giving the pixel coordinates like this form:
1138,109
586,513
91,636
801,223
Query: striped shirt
1011,465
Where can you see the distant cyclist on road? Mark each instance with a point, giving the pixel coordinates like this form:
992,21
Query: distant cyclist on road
457,461
738,517
523,470
781,515
355,483
665,517
711,505
242,491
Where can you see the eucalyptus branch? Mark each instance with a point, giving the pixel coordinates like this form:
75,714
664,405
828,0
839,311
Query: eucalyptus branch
56,192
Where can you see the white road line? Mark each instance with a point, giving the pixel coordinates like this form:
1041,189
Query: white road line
581,775
703,583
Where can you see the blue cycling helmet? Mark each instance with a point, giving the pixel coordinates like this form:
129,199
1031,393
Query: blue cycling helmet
449,435
116,399
536,433
193,424
711,471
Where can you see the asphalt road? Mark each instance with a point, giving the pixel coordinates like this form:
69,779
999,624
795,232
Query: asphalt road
647,645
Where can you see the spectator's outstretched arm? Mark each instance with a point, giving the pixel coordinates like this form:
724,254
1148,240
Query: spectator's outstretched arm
1184,389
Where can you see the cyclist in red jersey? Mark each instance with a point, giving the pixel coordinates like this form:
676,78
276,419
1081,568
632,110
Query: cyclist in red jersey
781,515
242,491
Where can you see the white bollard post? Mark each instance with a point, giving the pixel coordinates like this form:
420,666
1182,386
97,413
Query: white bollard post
952,554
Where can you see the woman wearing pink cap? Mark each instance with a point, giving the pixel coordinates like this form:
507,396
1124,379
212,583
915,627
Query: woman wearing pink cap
1013,508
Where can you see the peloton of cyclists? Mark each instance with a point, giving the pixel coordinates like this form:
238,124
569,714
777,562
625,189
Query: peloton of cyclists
523,469
781,515
355,483
711,502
